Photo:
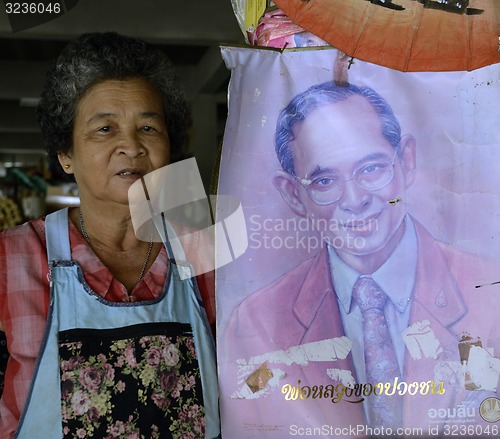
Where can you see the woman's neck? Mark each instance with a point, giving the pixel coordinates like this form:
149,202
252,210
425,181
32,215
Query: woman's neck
112,239
109,229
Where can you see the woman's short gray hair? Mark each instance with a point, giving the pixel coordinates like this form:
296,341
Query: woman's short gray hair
96,57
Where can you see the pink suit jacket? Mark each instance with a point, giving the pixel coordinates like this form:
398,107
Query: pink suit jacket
301,307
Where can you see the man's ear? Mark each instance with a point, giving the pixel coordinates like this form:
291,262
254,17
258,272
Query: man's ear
289,190
408,159
66,163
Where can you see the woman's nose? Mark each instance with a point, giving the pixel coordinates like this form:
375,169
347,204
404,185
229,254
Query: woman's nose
129,143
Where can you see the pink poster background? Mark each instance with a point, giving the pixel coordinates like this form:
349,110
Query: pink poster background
453,118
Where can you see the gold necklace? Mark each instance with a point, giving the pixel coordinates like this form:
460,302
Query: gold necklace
150,248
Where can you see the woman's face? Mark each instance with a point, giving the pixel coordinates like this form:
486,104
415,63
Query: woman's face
119,135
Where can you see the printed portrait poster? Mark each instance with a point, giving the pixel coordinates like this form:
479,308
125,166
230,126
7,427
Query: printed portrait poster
367,300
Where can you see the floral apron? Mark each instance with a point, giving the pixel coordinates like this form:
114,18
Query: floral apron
120,370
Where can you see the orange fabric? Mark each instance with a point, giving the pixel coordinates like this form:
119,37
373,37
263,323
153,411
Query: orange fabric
413,39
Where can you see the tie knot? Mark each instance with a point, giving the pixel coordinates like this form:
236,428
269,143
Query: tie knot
368,295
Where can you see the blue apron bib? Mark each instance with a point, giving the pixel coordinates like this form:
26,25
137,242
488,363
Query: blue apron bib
112,369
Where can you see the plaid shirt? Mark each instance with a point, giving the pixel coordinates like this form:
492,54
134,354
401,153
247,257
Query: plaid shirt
24,301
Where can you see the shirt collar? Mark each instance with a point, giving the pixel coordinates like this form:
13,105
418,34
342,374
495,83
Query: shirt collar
398,288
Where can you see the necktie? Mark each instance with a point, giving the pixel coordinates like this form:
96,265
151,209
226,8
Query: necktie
380,358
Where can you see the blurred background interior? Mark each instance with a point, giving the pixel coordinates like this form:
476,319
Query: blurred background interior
189,32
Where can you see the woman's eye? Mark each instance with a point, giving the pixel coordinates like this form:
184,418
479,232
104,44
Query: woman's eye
105,129
148,128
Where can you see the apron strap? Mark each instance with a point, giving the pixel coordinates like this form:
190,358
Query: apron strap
57,236
169,237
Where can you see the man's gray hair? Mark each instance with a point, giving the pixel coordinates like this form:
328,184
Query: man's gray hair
318,96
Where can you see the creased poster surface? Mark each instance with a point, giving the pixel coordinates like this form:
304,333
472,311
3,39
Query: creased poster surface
366,302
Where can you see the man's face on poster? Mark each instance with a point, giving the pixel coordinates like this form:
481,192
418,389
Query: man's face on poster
343,142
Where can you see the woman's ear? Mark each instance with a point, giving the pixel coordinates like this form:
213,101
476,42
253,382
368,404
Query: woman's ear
66,163
289,188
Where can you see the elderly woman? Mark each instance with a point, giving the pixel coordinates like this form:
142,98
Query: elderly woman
105,338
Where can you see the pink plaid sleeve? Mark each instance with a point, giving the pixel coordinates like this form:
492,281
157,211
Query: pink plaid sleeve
24,298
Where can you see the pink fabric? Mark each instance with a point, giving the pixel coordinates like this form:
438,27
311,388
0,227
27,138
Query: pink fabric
24,299
275,29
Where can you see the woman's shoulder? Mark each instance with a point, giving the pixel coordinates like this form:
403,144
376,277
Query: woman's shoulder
23,260
29,232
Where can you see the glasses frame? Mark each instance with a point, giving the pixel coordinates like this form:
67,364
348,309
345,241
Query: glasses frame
306,183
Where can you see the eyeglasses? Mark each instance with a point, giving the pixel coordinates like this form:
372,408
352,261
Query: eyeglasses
328,188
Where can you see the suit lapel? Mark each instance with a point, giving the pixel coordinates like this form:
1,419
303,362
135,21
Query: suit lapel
316,306
438,301
317,310
437,297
